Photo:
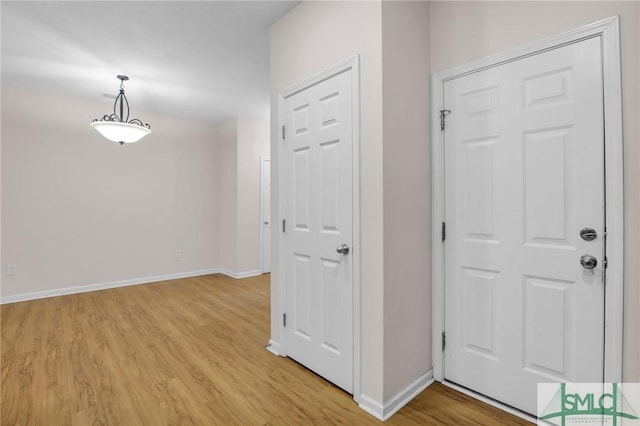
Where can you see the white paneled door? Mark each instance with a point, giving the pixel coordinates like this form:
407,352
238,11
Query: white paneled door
318,228
524,195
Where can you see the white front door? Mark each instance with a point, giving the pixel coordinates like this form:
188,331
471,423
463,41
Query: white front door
265,208
524,175
318,228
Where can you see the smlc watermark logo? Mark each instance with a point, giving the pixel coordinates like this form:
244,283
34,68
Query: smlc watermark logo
574,404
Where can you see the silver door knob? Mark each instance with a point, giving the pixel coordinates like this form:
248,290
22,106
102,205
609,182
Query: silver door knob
588,262
343,249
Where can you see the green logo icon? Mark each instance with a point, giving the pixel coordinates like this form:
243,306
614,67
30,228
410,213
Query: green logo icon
584,407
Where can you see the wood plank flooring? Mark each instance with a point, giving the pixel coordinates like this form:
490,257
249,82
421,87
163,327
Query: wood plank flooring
181,352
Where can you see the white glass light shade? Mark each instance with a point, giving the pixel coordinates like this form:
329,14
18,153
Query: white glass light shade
120,132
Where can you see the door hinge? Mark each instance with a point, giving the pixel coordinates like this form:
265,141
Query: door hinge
606,262
444,231
284,225
443,114
444,340
284,320
283,132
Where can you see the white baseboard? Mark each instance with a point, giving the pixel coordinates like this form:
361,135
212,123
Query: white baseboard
274,347
239,275
371,406
102,286
399,400
114,284
403,397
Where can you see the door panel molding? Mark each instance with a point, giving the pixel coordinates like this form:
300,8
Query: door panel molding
353,64
608,32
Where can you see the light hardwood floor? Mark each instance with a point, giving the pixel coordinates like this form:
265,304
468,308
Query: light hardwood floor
187,351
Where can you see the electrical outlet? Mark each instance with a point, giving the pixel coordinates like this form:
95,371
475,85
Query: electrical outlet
11,269
178,253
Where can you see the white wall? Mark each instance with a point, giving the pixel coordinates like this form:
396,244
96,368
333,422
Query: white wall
79,210
407,190
312,37
464,31
253,143
228,196
242,142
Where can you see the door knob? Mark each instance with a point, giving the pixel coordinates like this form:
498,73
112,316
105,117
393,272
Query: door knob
588,262
343,249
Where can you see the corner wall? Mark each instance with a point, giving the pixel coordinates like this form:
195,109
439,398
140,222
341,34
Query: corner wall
228,196
407,195
253,143
242,142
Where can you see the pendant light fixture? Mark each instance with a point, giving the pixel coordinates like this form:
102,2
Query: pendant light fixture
117,127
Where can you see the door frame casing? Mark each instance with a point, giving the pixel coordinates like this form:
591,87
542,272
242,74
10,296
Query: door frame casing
353,64
608,31
262,212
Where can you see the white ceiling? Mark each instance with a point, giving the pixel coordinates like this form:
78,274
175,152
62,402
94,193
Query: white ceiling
205,60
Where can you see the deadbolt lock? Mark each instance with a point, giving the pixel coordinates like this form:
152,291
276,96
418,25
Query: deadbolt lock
588,234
